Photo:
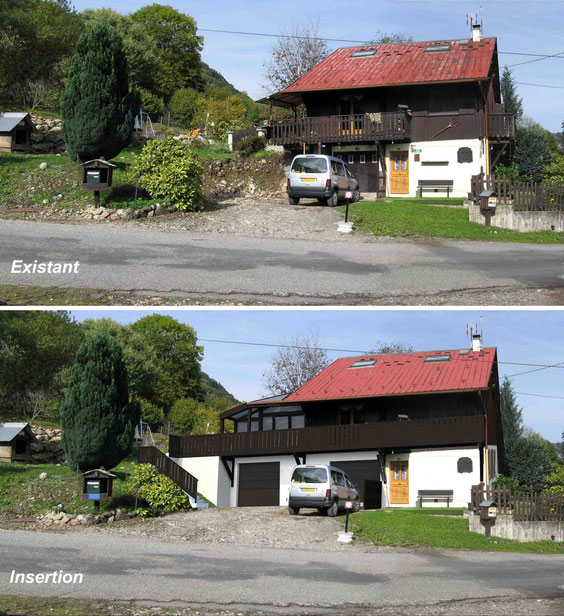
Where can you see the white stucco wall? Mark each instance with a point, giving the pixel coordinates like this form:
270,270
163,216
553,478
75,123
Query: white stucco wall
213,481
439,151
437,470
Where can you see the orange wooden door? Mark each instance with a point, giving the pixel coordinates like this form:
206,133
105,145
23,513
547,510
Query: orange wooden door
399,483
399,173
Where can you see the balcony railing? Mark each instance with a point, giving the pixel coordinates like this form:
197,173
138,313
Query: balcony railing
443,431
384,126
501,126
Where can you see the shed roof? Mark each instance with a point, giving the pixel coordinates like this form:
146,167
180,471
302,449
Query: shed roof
396,64
9,120
10,429
400,374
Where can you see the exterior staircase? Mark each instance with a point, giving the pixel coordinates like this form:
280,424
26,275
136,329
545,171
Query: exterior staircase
150,454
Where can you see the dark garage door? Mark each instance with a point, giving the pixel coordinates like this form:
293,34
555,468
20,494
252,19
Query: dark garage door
364,165
360,470
259,484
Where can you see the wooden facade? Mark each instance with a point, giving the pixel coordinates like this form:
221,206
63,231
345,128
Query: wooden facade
446,431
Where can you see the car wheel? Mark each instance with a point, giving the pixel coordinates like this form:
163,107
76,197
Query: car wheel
294,510
293,200
356,506
356,195
333,510
333,199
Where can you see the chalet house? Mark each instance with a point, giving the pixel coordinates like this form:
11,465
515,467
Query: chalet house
407,118
397,424
15,441
15,132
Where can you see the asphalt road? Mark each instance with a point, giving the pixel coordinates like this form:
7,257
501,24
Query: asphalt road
128,568
129,257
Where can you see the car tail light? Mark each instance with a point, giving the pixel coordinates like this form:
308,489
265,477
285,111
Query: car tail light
288,184
328,492
328,183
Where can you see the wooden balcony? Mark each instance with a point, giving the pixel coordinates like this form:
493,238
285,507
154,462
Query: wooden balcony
501,126
385,126
440,432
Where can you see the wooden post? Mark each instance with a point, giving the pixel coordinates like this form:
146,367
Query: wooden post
270,110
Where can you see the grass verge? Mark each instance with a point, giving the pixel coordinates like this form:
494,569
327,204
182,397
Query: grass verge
421,217
400,528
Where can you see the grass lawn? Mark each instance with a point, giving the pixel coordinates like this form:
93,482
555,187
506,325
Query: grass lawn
417,217
22,493
404,528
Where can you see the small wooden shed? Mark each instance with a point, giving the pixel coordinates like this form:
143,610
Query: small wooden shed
15,441
15,132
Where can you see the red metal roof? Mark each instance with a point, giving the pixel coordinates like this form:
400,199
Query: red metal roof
399,375
400,64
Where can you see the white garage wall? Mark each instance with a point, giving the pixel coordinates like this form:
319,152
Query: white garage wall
287,464
213,481
437,470
439,151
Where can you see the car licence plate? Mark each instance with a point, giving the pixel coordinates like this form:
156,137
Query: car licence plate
308,489
308,179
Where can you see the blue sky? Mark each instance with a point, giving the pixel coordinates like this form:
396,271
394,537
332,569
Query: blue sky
521,26
520,335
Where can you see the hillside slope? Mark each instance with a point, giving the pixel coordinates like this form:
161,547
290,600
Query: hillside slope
214,390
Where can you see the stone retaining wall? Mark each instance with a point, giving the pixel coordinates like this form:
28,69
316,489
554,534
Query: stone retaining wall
47,449
46,139
507,218
506,528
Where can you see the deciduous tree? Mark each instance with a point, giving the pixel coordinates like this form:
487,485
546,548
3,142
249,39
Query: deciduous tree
298,49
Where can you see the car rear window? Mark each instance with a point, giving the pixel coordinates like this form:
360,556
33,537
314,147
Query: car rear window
309,475
309,165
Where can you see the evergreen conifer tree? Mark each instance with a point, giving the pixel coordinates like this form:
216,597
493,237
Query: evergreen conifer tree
97,417
97,107
511,415
511,101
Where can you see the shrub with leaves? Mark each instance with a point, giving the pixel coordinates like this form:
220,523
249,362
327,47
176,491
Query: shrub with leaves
183,105
151,104
151,413
250,145
554,483
506,482
169,170
160,493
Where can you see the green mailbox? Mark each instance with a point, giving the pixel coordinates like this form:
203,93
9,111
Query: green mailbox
97,176
97,486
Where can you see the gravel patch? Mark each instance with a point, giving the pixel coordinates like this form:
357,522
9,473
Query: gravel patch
270,527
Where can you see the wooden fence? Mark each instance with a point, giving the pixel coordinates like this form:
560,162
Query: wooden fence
241,135
524,506
182,478
523,195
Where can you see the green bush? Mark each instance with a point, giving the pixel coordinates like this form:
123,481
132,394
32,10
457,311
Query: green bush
250,145
510,172
554,483
183,105
554,173
185,414
506,482
151,104
169,170
159,492
151,413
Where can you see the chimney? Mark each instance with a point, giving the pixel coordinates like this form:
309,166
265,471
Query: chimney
476,32
476,342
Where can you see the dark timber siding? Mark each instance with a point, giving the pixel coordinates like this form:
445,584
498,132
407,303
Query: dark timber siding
259,484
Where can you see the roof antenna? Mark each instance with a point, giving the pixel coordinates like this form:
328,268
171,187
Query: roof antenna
475,336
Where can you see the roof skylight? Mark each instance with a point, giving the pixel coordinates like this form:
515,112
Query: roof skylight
431,48
433,359
363,363
364,53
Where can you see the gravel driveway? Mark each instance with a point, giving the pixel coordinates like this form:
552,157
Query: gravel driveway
271,527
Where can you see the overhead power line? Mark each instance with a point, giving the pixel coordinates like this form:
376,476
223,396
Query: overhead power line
521,393
539,56
536,367
556,55
538,85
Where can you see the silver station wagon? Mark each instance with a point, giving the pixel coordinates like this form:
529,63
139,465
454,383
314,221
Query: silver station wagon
325,488
326,178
